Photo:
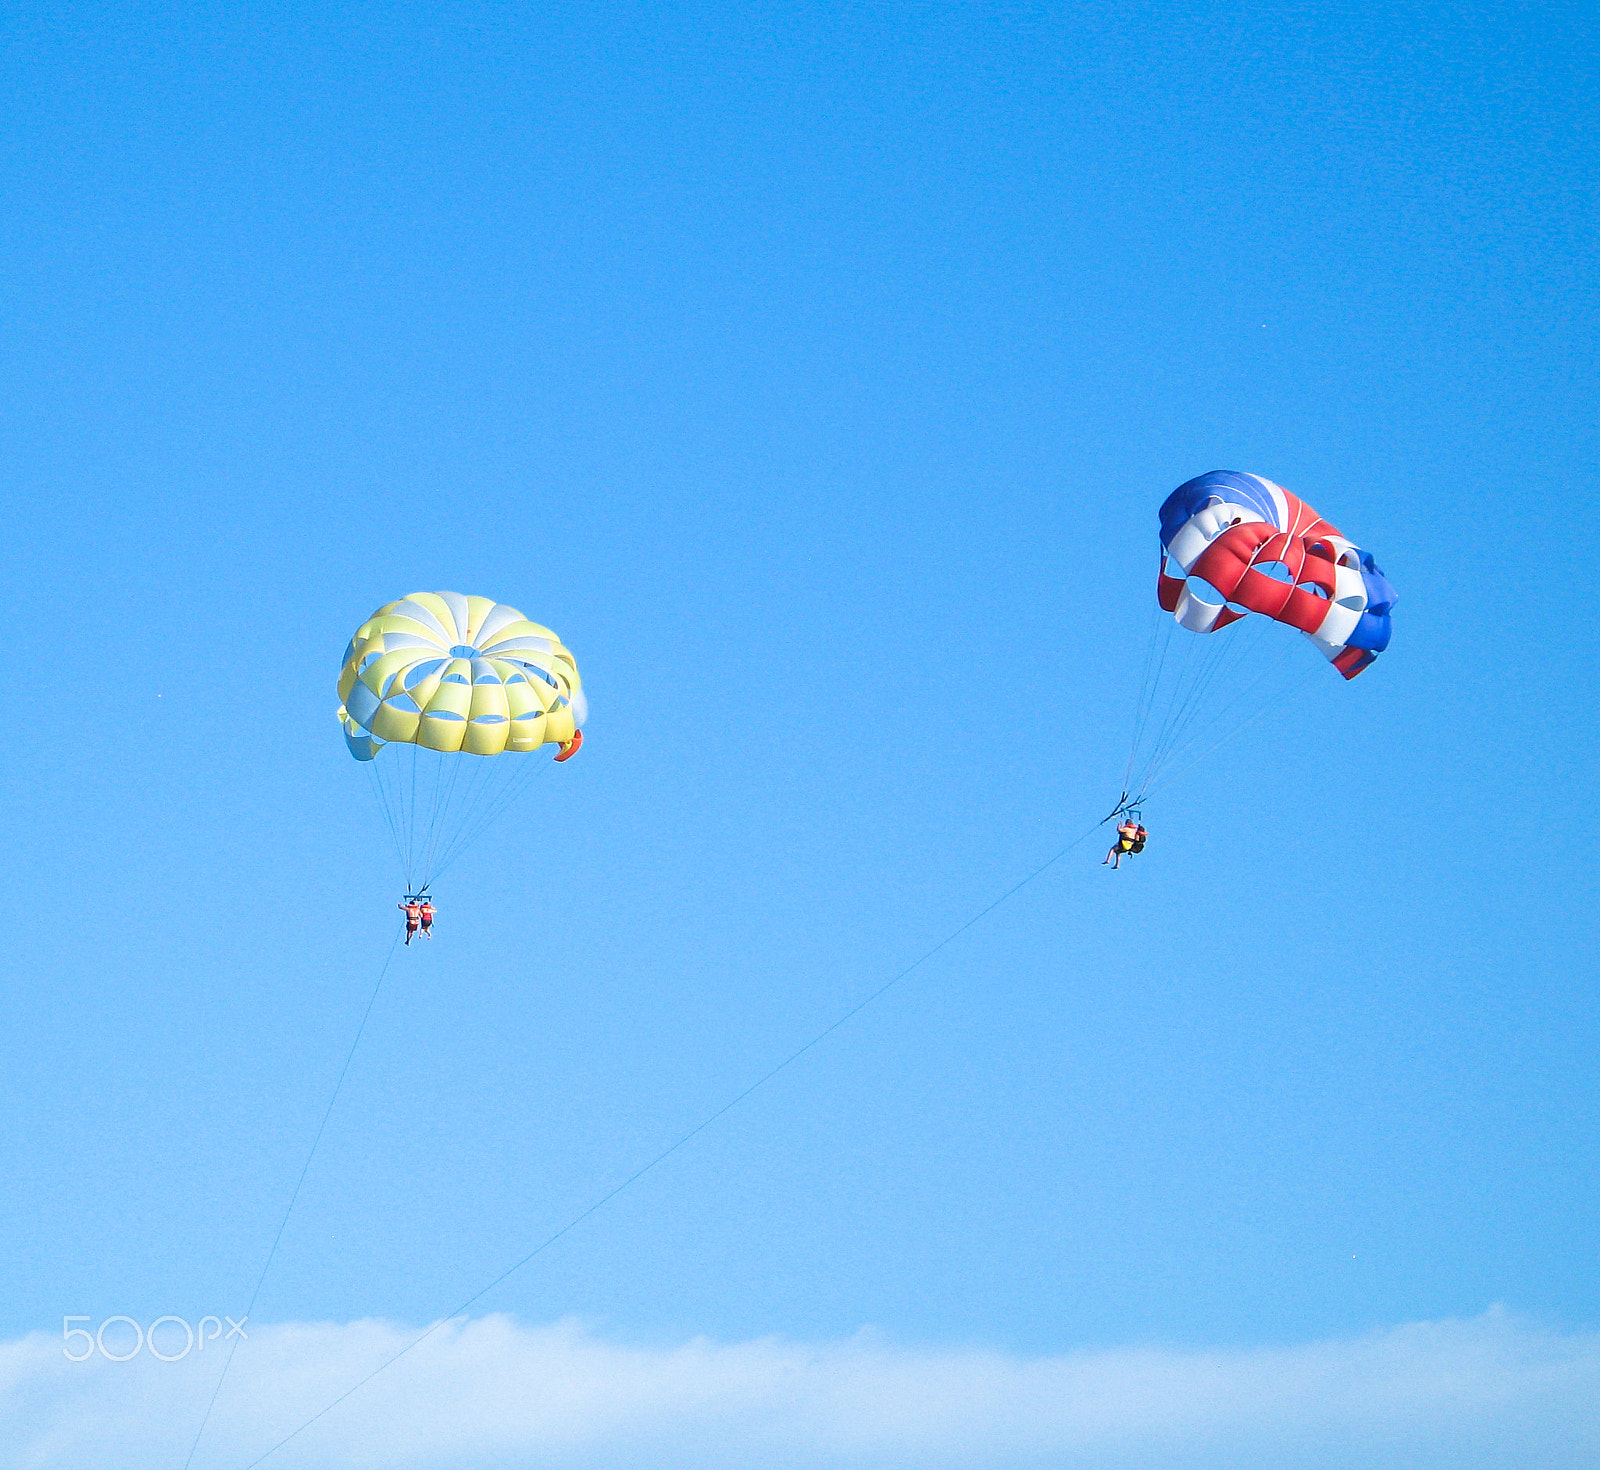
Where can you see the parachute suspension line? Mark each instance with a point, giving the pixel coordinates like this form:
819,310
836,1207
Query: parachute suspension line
423,826
397,784
683,1139
461,804
1182,665
1216,661
435,813
397,789
1206,666
383,805
383,779
393,779
1177,736
1173,686
1258,620
487,813
472,808
1204,722
502,803
438,799
294,1194
408,792
1200,669
1190,665
1141,703
448,814
1219,722
1172,680
1167,637
1211,665
483,773
412,824
1284,696
1206,662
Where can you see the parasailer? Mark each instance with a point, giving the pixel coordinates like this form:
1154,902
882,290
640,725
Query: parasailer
413,912
1130,839
467,690
426,914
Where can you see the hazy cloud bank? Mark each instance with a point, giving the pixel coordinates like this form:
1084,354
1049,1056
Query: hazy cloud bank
1487,1392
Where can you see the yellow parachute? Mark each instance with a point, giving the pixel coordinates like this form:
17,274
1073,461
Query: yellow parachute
442,673
457,673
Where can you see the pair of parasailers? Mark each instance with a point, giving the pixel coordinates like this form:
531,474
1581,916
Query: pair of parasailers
1130,838
419,916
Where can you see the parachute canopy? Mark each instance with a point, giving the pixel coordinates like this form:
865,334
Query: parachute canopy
454,673
442,677
1235,544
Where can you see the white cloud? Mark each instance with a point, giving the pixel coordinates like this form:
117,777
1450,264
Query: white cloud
1492,1391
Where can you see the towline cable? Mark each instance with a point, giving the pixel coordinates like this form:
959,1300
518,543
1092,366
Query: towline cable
688,1137
294,1194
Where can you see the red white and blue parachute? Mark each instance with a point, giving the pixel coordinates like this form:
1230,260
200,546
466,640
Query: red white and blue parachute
1234,544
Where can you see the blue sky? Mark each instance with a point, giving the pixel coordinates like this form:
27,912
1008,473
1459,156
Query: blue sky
816,372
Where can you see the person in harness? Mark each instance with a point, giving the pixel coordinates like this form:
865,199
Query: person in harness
1130,838
425,908
413,911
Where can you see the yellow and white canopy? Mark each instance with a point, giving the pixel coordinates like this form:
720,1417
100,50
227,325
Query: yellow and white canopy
456,673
